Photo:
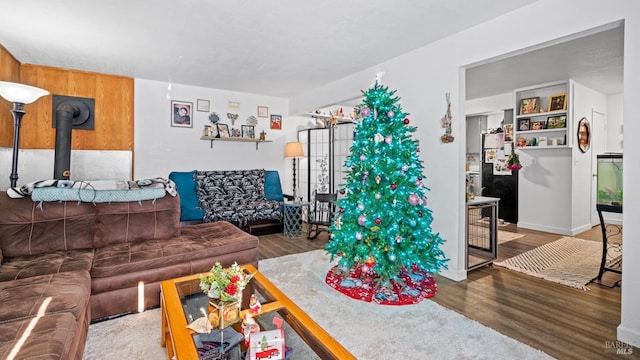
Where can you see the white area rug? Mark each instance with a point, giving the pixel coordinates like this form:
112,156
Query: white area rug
569,261
369,331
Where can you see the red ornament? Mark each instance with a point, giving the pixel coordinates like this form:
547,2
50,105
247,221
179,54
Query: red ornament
418,150
406,121
341,192
370,262
414,267
420,214
341,210
378,221
393,186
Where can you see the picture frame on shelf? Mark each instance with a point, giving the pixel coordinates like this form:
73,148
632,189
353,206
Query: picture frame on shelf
508,132
248,132
530,105
557,122
558,102
275,122
223,130
202,105
537,125
181,113
263,111
524,124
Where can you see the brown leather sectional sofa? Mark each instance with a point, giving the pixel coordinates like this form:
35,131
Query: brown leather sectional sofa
63,264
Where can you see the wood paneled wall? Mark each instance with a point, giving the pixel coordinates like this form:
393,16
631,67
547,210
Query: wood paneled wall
9,71
113,97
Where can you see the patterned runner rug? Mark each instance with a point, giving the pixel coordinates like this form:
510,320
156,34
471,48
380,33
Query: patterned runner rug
569,261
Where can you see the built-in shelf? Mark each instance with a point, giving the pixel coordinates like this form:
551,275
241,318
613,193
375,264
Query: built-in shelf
543,147
236,139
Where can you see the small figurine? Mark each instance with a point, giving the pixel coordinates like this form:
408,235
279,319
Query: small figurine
249,326
254,305
263,135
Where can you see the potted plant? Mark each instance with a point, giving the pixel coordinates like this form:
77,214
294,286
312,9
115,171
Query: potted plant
224,288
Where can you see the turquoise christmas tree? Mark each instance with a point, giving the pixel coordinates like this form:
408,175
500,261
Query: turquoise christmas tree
381,231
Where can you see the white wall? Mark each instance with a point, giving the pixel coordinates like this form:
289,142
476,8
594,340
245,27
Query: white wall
614,123
160,148
423,76
37,164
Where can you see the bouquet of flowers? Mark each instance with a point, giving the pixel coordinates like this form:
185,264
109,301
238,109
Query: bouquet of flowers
225,284
513,162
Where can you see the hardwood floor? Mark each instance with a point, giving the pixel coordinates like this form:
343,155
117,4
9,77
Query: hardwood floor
564,322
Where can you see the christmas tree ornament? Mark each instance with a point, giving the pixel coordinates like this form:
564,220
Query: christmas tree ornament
378,221
414,199
391,114
406,121
360,207
365,111
378,138
378,196
362,219
394,186
388,139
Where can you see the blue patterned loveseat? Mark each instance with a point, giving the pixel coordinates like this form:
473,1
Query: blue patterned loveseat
250,199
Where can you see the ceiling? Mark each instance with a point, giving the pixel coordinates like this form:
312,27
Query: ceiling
276,48
593,58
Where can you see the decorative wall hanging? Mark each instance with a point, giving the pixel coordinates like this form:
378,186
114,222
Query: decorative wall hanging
233,117
181,113
446,122
252,120
584,135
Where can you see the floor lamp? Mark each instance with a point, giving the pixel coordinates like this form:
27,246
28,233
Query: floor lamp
18,94
294,150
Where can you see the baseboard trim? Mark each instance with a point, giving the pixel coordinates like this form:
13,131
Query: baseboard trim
629,336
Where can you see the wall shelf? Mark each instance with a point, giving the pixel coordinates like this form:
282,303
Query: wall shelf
340,120
236,139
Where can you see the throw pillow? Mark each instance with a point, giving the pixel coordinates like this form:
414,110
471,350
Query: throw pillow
189,203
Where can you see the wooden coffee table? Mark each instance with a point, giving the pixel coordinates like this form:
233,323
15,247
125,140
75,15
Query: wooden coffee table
178,339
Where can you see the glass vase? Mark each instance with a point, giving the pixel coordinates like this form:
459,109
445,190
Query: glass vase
223,313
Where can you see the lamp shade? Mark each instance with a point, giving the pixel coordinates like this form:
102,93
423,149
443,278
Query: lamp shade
20,93
293,150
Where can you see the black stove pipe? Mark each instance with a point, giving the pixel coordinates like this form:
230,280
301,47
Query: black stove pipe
64,123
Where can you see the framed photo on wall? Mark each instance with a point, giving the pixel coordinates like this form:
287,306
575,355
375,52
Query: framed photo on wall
276,122
223,130
248,132
263,111
558,102
202,105
181,113
508,132
529,105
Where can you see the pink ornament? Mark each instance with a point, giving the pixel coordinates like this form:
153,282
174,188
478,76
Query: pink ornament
361,219
359,236
388,139
405,167
360,207
390,114
363,158
414,199
365,111
378,196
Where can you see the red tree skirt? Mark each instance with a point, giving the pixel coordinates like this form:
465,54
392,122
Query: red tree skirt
413,286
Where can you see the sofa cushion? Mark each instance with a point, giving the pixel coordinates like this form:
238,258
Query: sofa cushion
28,228
189,204
43,264
137,221
201,241
243,213
52,337
68,291
272,186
